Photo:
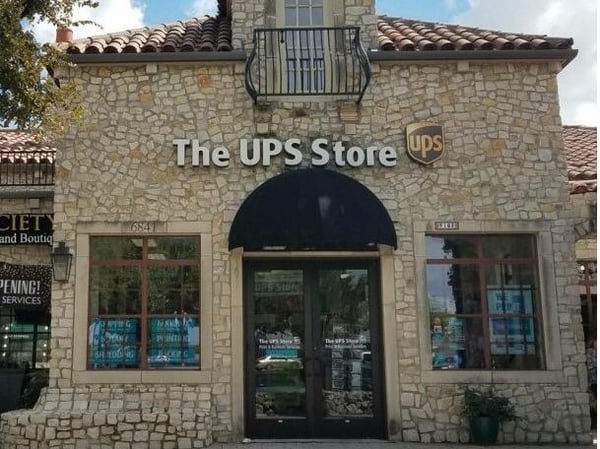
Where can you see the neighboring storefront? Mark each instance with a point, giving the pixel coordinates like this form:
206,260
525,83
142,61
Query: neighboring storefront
279,234
581,156
26,221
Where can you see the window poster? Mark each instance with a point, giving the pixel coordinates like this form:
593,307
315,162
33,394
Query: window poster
114,343
442,304
447,342
174,342
509,299
513,336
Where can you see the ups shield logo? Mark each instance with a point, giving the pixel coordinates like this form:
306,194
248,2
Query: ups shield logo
425,142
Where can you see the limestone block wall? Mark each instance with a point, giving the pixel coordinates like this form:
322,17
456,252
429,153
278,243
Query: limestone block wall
503,166
115,417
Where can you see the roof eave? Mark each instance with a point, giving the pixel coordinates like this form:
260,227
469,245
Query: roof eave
566,55
145,58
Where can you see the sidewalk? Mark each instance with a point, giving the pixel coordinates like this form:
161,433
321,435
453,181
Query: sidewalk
375,444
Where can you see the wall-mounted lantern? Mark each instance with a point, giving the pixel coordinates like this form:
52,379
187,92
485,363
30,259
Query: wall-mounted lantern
61,262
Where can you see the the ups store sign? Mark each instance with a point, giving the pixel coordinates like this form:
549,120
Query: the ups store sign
425,142
26,229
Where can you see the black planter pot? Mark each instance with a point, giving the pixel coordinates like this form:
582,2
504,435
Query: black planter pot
484,430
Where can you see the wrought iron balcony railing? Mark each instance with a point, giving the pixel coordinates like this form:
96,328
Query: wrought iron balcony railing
27,168
307,61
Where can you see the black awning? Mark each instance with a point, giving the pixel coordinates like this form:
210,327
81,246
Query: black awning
312,209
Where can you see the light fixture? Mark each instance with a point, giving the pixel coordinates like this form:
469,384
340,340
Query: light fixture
61,262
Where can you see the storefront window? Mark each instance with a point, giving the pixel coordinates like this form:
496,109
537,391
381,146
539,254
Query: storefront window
144,303
482,295
587,281
24,338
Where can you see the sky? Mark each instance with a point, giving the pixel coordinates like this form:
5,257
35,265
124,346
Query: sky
557,18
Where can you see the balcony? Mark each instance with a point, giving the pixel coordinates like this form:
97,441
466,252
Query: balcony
307,62
26,168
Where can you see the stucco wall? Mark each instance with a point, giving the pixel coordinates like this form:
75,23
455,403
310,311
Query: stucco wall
503,170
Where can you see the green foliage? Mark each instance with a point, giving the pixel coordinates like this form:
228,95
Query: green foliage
28,97
487,403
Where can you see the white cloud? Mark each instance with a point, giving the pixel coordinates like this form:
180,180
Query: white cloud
112,15
555,18
204,7
450,4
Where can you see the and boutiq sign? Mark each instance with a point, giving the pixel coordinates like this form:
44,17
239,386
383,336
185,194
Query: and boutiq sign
261,152
425,142
26,229
25,286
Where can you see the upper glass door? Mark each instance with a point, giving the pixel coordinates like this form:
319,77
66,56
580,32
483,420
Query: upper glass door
279,336
313,358
345,344
304,48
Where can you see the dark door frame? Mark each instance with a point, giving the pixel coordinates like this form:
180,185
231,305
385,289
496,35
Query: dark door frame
314,426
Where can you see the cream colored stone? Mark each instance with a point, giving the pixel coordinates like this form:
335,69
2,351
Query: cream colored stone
502,167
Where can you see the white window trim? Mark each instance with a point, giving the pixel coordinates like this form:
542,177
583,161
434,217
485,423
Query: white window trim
81,374
548,304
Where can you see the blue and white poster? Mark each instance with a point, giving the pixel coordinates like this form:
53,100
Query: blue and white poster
174,342
507,300
114,343
510,334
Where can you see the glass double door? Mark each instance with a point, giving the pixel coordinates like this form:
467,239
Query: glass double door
313,355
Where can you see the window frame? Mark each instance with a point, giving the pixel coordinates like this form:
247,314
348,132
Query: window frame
548,305
145,264
484,265
81,373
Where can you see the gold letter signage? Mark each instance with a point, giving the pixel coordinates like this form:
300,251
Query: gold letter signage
425,142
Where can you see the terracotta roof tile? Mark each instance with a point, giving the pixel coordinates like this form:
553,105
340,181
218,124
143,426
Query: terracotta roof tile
197,34
397,34
23,142
581,155
576,187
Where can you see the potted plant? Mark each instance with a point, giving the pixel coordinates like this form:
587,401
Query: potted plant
485,411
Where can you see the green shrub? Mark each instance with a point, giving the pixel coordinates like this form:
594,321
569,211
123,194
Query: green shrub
487,403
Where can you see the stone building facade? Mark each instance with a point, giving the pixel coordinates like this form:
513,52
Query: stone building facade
581,155
502,173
